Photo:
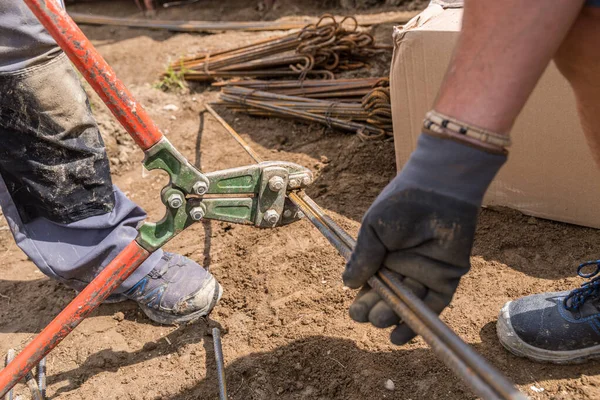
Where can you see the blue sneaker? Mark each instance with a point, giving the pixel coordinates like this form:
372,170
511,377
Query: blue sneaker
176,291
559,327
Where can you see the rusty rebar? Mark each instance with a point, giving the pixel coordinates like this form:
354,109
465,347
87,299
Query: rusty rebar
473,369
328,45
369,116
216,335
186,26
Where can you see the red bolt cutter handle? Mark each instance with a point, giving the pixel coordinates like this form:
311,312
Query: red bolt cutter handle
91,297
138,124
97,72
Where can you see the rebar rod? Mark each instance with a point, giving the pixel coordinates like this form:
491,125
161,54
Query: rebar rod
32,384
41,377
216,334
474,370
219,26
450,358
415,305
187,26
233,133
295,84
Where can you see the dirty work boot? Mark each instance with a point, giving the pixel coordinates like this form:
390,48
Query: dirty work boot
176,291
558,327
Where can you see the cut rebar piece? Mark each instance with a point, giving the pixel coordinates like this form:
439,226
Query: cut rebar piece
216,334
483,379
38,391
32,384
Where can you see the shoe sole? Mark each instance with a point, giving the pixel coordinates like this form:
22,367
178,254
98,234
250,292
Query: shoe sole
165,318
512,342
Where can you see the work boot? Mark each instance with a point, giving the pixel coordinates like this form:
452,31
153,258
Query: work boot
176,291
555,327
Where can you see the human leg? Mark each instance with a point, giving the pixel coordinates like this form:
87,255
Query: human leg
503,49
55,186
578,59
564,327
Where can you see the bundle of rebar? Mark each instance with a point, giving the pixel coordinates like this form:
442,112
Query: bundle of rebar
353,89
369,116
316,51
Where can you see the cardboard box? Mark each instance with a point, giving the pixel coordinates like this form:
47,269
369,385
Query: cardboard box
550,172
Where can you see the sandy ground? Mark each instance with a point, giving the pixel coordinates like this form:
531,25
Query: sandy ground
284,310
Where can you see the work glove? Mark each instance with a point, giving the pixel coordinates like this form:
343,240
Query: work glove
421,227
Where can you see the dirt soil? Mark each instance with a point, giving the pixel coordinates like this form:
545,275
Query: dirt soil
284,310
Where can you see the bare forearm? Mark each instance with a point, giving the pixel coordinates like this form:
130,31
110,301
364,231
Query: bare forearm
503,50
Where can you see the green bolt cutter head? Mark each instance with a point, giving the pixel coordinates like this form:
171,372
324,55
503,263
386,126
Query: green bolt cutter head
252,195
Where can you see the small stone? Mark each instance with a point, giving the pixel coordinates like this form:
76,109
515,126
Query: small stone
119,316
324,160
389,385
173,118
536,389
149,346
170,107
532,221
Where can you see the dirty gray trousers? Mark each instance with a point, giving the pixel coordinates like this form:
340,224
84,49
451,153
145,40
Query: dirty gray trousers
55,187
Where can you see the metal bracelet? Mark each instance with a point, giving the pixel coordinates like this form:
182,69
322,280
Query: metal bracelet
440,123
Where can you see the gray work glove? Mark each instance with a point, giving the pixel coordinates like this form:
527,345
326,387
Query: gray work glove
421,227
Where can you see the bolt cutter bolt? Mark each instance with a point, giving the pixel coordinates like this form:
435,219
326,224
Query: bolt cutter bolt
276,183
197,213
287,214
200,187
306,180
271,216
175,200
294,183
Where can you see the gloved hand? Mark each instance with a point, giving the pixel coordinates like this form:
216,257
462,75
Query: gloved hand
421,227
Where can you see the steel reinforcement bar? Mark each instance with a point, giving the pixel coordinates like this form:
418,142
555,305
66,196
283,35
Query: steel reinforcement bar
477,373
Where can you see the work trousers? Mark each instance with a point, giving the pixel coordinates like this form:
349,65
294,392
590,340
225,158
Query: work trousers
56,191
